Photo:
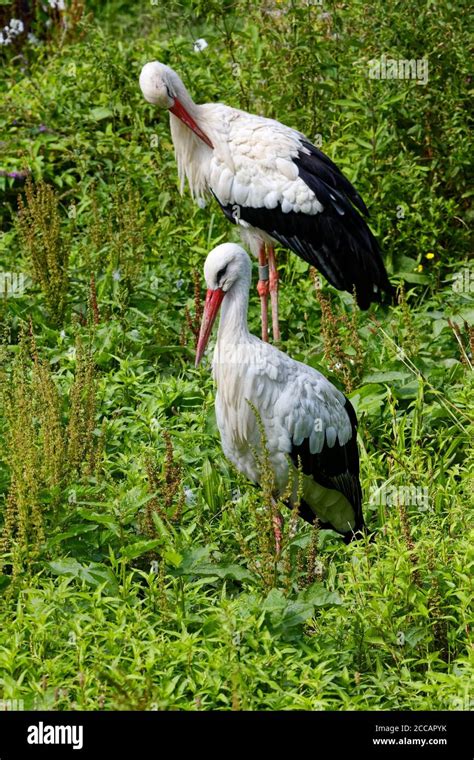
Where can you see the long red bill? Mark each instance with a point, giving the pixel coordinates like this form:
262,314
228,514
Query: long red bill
211,309
179,110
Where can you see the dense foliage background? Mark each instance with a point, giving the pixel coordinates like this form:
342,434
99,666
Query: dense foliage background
137,568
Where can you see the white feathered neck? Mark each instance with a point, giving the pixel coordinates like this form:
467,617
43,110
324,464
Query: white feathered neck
193,156
233,327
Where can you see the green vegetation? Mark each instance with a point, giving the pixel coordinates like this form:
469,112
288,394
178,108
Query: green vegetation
137,568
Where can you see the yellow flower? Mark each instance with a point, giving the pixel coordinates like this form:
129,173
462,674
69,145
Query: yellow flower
419,268
430,255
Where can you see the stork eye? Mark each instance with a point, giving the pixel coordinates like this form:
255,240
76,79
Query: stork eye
221,273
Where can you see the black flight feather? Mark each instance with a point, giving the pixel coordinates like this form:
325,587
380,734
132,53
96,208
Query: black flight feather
337,241
335,467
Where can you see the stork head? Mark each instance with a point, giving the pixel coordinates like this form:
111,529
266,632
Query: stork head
226,265
162,87
160,84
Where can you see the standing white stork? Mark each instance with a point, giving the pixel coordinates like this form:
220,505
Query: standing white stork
307,421
276,185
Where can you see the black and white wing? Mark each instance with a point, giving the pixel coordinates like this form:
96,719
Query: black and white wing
321,425
335,467
282,184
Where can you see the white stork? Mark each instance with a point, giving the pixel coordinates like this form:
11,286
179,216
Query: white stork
307,421
276,185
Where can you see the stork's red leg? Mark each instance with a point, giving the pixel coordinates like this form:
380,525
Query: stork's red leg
274,291
262,288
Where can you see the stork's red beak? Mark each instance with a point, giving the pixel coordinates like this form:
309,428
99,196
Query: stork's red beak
211,309
179,110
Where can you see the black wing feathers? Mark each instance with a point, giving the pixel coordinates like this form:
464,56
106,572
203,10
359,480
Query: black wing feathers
337,241
337,468
319,165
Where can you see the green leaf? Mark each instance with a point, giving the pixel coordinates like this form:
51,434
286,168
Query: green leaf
95,574
407,391
386,377
66,566
191,558
319,596
77,530
210,486
275,601
173,558
414,277
100,518
101,112
225,572
138,548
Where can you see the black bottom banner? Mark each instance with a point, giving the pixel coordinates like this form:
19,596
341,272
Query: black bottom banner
124,734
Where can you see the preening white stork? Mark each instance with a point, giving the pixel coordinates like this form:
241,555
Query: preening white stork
307,421
276,185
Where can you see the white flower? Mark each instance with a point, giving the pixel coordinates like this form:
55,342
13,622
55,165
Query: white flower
179,284
116,275
13,29
201,202
6,36
16,26
200,45
154,566
62,334
32,39
59,4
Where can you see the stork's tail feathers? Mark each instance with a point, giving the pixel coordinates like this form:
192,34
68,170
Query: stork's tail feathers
341,237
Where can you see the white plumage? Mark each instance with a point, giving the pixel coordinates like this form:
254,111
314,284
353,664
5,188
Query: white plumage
249,165
304,416
270,180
